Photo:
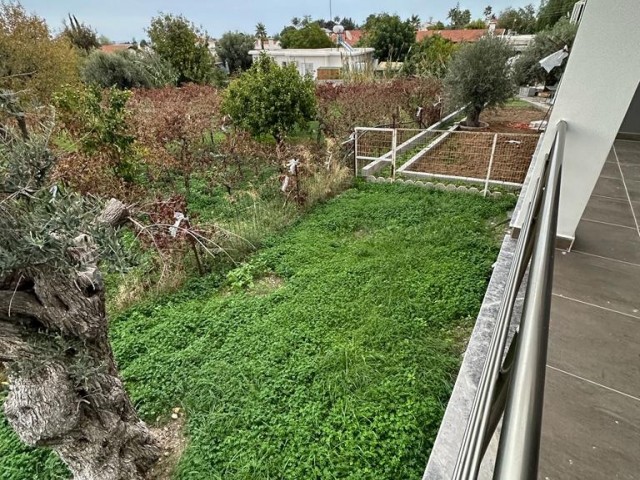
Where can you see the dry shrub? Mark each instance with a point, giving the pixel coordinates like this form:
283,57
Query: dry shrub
239,156
97,151
321,173
92,175
174,125
371,103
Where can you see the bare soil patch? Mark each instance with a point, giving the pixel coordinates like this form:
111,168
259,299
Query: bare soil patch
514,119
267,284
467,154
172,443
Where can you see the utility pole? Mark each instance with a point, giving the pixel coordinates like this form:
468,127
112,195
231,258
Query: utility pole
330,12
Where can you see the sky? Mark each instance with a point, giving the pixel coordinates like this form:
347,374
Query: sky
122,20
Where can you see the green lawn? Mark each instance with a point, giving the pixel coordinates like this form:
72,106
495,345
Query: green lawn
330,355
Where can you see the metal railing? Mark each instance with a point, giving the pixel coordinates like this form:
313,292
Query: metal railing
513,383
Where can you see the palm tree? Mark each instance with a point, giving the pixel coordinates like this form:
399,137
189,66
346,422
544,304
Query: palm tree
261,33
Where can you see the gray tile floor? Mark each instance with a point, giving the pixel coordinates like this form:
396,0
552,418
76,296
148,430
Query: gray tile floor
591,421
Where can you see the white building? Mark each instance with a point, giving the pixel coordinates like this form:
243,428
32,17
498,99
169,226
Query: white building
321,63
267,44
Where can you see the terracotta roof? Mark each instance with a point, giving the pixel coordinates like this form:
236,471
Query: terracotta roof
350,36
458,36
115,47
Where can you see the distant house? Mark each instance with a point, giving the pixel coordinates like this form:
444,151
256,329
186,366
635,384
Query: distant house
519,42
388,68
269,44
351,37
117,47
460,36
322,63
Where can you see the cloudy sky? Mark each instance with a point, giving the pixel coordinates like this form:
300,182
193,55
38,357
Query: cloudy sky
121,20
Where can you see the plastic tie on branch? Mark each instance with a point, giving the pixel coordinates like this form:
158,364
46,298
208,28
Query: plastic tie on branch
179,216
285,183
293,164
54,192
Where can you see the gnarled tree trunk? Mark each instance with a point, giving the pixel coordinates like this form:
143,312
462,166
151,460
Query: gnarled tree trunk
65,392
473,116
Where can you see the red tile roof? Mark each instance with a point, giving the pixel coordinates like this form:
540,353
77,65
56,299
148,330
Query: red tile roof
457,36
350,36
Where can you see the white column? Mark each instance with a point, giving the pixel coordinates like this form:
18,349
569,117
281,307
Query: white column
599,82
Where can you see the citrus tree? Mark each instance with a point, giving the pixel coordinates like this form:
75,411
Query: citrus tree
184,46
430,57
269,99
391,37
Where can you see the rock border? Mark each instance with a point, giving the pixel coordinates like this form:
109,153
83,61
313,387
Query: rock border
450,187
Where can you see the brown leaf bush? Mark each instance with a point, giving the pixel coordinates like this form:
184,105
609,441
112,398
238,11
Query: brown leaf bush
345,106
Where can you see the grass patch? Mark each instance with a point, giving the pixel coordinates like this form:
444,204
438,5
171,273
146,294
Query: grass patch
331,353
517,103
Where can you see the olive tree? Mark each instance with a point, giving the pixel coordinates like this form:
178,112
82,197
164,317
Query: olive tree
65,392
479,76
127,69
233,50
269,99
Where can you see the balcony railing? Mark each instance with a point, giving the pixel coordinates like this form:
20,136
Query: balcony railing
511,385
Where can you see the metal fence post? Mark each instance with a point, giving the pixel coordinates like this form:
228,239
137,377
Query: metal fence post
355,150
394,147
493,152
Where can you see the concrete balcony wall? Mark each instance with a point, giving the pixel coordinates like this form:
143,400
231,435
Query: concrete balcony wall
599,82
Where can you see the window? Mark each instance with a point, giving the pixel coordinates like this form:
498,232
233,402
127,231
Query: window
307,69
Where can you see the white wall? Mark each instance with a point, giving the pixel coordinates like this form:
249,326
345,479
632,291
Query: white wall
599,82
327,57
325,61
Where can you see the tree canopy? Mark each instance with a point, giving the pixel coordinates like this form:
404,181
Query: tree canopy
391,37
309,36
527,70
80,35
127,69
459,18
346,22
233,50
479,76
269,99
478,24
33,62
430,57
261,34
437,26
523,20
183,46
553,10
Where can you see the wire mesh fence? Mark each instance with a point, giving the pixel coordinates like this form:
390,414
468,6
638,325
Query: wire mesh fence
375,149
479,157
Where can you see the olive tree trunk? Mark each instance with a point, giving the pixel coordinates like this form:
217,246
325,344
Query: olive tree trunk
473,116
65,391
